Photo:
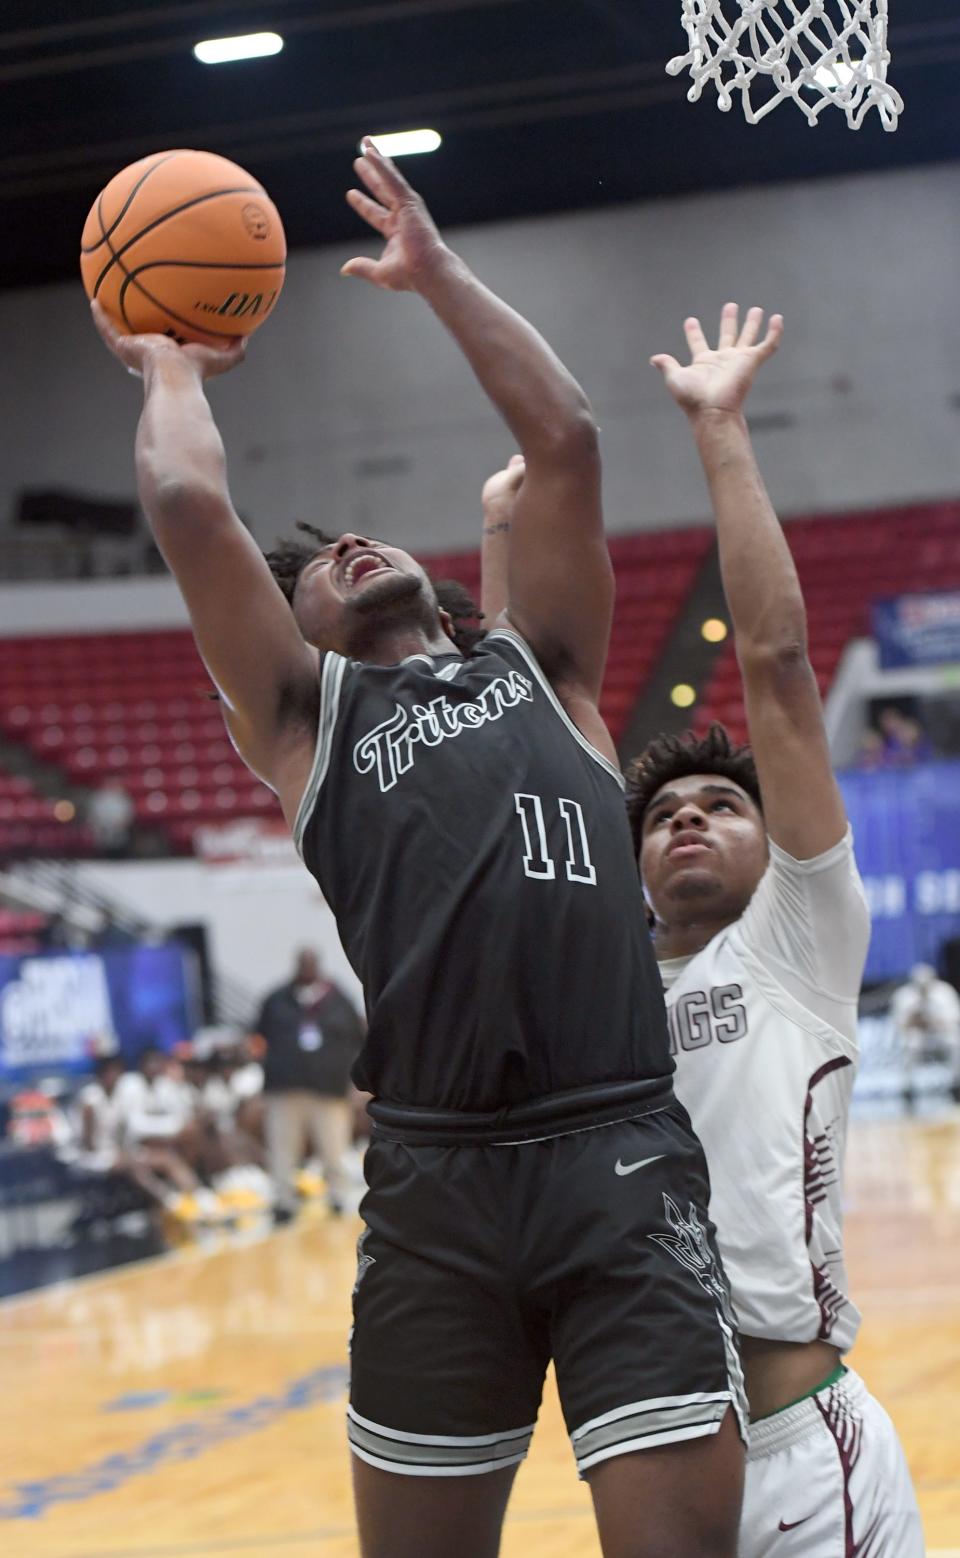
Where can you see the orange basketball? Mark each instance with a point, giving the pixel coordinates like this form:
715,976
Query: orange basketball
187,244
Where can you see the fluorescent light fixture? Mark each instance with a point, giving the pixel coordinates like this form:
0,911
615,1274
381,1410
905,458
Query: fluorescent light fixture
249,46
405,143
835,75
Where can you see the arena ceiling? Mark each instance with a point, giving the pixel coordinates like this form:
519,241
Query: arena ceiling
544,105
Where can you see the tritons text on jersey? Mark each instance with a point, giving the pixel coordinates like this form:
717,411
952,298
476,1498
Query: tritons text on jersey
390,747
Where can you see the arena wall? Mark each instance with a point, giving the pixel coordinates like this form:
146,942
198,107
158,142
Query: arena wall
257,916
356,410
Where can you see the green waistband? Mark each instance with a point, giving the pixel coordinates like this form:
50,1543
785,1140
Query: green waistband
831,1379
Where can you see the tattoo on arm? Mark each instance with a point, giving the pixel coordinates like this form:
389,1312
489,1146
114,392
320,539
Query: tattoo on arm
497,529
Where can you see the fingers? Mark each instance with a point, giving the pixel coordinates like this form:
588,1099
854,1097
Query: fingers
123,347
362,267
213,360
106,328
515,460
371,211
696,340
773,337
380,175
665,363
729,317
751,327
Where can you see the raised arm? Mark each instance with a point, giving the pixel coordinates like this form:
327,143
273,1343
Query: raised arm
499,502
266,674
559,579
802,804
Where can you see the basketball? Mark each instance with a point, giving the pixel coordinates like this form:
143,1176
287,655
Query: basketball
187,244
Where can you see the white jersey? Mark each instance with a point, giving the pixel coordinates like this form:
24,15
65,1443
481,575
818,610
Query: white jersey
763,1024
107,1120
157,1108
934,1010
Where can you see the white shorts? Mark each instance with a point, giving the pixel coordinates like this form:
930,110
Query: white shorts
829,1479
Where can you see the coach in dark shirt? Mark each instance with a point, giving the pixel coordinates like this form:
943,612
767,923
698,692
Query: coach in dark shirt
312,1034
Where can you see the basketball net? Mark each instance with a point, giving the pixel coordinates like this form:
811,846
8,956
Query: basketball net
822,53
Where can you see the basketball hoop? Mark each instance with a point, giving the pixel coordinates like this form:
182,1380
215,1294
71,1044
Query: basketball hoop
822,53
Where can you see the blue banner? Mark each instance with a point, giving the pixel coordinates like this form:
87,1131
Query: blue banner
58,1009
906,827
918,629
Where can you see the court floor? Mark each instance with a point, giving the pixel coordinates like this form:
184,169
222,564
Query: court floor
192,1406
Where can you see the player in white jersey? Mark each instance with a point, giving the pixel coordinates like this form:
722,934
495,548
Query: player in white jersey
761,930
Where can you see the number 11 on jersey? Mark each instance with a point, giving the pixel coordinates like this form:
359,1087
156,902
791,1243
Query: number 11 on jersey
536,861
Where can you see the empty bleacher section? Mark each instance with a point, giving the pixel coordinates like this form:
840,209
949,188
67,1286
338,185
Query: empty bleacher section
846,563
134,707
21,932
130,708
655,573
30,823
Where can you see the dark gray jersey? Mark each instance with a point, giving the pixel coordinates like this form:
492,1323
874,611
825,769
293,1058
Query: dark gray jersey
475,851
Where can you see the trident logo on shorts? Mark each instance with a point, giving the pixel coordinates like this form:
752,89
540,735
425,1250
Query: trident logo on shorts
690,1246
364,1261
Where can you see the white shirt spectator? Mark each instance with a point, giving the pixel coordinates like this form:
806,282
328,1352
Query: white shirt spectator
156,1108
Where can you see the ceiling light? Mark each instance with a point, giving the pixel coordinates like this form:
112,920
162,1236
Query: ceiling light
249,46
405,143
834,75
714,630
683,695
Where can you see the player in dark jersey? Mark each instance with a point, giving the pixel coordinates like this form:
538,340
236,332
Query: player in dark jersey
534,1188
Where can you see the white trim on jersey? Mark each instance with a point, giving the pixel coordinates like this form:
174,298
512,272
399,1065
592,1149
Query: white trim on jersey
331,681
511,636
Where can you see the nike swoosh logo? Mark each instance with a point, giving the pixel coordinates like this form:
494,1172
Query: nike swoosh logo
631,1168
791,1525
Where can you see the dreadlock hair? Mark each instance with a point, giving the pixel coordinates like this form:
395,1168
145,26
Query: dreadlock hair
455,599
674,757
288,559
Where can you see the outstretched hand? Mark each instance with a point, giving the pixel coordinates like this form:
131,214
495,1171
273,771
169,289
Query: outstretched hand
137,352
400,216
500,490
720,380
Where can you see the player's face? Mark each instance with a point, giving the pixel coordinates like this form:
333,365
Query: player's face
703,851
355,585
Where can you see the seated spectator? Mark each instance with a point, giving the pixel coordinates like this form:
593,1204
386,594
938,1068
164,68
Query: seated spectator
103,1145
904,740
926,1014
156,1103
109,816
212,1070
871,753
159,1117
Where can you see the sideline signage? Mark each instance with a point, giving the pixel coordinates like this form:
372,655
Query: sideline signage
918,629
59,1009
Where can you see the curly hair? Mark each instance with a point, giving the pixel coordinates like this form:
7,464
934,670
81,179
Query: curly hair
288,559
674,757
